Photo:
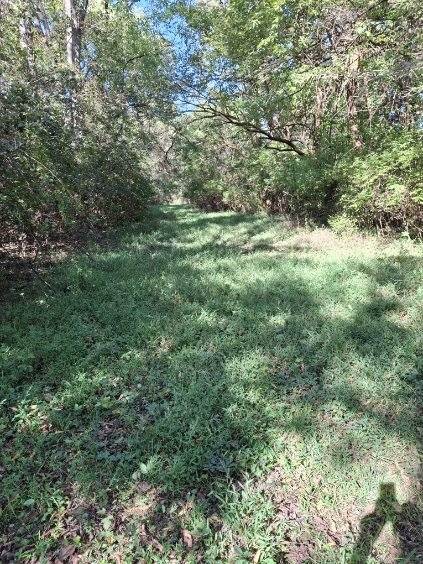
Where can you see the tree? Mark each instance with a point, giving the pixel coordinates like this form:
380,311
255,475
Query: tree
328,83
75,12
80,88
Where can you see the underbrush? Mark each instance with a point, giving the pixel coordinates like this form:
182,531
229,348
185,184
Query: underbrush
378,189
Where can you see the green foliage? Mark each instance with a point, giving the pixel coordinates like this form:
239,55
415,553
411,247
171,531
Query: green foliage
342,224
305,108
327,98
212,387
302,187
386,185
224,169
73,142
215,387
382,188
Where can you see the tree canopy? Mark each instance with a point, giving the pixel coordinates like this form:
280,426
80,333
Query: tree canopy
301,107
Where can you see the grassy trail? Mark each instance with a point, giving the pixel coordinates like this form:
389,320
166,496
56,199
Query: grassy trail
215,387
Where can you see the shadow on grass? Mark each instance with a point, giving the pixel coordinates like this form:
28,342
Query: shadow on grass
171,369
406,520
225,219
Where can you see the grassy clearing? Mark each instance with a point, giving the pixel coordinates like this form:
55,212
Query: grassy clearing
216,387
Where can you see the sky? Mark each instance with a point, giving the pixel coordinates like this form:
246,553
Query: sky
169,30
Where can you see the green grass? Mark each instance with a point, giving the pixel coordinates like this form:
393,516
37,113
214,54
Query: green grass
215,386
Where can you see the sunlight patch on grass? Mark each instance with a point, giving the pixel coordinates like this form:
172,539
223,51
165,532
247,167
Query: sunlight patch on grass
215,387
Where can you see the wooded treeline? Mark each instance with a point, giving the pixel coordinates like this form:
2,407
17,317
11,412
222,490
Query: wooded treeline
312,108
82,84
304,107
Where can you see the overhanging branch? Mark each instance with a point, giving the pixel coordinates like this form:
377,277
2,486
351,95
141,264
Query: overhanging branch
211,112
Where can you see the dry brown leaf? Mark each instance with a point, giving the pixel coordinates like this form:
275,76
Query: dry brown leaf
187,538
155,544
256,558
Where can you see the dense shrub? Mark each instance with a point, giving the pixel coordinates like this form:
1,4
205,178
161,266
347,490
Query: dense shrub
378,188
73,143
384,188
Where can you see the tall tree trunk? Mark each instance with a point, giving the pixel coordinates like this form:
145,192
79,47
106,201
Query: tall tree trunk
351,96
75,12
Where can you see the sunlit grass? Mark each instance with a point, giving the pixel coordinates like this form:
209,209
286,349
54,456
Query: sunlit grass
216,385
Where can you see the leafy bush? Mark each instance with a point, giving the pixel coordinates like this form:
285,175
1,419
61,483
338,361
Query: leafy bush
304,187
385,187
73,143
381,187
342,224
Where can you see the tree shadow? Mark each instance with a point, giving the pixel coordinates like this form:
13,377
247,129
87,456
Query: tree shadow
160,368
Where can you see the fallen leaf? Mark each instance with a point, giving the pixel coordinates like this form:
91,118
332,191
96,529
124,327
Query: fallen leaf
65,554
187,538
256,558
155,544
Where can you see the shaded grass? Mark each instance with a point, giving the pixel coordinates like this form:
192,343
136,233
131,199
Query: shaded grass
216,386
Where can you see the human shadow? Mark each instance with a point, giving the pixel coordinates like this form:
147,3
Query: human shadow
406,520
